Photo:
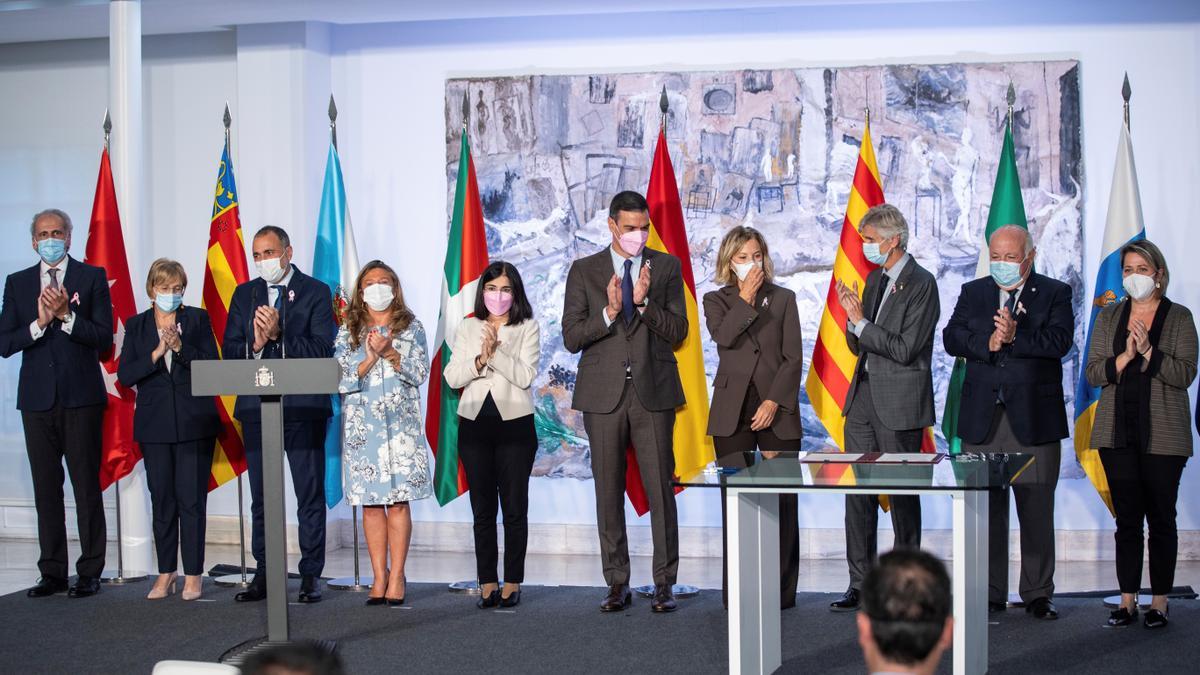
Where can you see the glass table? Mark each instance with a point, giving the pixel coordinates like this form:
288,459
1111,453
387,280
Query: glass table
752,503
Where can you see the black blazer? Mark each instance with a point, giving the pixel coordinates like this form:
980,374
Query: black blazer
1028,371
58,367
308,331
166,410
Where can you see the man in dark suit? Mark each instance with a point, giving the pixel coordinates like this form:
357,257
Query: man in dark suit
284,313
58,315
624,309
890,399
1013,328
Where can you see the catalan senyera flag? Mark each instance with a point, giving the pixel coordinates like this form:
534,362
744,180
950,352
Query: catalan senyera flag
224,269
693,447
1123,225
466,258
106,248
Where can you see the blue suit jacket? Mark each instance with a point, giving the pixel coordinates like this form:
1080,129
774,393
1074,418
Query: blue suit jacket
308,332
1028,372
166,411
58,368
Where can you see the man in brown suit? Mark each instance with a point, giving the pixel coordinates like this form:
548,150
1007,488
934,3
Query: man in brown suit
624,309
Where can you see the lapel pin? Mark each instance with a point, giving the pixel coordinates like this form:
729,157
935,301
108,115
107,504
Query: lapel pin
179,329
766,301
291,295
75,299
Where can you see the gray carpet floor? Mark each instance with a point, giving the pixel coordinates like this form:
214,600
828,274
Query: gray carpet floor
554,629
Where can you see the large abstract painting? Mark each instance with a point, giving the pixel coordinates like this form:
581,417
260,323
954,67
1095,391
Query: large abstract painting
774,149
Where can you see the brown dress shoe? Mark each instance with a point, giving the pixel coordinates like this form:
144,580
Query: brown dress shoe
664,599
618,598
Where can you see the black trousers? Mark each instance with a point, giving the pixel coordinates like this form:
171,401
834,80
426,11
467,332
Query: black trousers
497,456
1144,488
304,445
177,474
734,451
74,434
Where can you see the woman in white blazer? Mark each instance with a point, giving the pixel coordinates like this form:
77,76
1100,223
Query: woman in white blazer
494,362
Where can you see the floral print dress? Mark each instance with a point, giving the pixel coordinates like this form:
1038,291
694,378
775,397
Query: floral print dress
383,445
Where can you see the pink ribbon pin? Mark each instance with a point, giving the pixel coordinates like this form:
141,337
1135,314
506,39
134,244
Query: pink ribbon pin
291,295
75,299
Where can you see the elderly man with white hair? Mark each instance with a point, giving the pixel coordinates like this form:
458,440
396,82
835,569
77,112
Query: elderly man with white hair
1013,328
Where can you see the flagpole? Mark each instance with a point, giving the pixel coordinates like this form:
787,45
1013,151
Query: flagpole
242,580
120,577
357,583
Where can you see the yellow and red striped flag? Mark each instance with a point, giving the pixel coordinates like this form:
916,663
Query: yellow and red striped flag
692,445
833,363
224,269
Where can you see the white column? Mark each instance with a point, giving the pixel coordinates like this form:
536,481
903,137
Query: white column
125,150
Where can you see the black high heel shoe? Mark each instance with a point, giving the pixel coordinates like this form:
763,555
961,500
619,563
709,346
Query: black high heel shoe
512,600
1155,619
375,602
396,602
1122,617
489,601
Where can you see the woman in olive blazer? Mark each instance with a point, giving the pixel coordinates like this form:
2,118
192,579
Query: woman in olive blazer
1143,356
756,391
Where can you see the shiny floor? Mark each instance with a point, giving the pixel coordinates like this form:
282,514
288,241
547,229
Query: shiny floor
18,569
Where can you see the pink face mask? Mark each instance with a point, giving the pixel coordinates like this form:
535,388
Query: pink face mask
497,302
633,242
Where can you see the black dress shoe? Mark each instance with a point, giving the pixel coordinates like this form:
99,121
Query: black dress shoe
848,603
664,599
489,601
1155,619
85,587
1122,617
618,598
310,589
255,592
375,602
996,607
47,586
512,600
1043,609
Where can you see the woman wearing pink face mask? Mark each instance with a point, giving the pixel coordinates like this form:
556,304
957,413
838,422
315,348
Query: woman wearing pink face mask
494,362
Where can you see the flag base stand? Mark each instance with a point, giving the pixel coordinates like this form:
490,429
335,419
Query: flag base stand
356,583
1114,601
236,580
237,655
464,587
680,591
231,581
121,576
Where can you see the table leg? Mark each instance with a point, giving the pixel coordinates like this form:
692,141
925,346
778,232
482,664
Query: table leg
754,633
970,582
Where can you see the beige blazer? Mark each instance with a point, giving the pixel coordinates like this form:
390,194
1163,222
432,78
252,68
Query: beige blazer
509,374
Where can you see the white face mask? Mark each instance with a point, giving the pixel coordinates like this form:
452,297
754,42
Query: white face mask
378,296
1139,286
270,269
742,269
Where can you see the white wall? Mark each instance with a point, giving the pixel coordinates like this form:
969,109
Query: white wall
389,83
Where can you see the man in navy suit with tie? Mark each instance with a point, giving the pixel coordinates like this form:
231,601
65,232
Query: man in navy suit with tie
58,316
284,313
1013,328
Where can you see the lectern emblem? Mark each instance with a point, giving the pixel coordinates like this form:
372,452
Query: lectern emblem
263,377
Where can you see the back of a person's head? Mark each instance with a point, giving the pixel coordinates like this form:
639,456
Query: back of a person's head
906,597
293,659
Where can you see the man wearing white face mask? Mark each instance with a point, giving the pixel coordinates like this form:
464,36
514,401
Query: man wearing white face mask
624,310
1013,328
284,313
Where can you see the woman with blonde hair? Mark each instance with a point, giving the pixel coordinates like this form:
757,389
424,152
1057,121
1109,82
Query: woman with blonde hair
381,350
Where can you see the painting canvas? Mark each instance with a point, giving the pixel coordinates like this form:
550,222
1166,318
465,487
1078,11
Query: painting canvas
776,150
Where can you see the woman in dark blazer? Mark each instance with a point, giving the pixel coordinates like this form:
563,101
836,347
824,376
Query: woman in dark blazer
175,429
756,391
1143,356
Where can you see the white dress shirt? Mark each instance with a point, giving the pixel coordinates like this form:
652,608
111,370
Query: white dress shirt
68,323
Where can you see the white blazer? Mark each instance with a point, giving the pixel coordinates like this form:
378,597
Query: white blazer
509,374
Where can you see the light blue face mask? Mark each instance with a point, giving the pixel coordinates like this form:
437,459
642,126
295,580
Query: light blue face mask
168,302
871,252
52,250
1005,274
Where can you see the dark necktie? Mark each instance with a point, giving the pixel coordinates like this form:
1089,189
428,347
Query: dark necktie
1011,304
53,272
278,295
878,300
627,293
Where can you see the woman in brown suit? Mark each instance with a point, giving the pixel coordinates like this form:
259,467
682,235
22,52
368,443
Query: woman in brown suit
1143,355
757,388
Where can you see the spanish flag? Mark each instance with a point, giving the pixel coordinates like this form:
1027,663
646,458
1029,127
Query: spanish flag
224,270
693,447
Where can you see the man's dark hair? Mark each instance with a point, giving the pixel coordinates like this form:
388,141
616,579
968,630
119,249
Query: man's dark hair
907,598
301,657
627,201
277,231
521,309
